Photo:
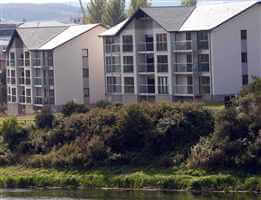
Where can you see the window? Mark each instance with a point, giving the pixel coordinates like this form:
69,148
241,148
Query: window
114,84
38,92
203,60
36,58
86,92
128,64
203,40
28,92
163,85
129,85
162,44
244,57
204,85
127,43
50,58
12,58
112,64
85,73
243,34
27,77
111,45
85,54
162,63
27,58
245,79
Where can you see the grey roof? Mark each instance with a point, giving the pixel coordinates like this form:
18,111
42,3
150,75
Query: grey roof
170,18
34,38
38,24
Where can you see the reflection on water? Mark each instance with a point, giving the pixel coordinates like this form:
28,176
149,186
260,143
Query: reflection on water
118,195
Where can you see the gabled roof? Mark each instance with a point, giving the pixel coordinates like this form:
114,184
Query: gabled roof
205,16
47,38
70,33
34,38
209,16
170,18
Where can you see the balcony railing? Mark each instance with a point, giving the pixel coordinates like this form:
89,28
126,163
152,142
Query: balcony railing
146,46
182,45
184,89
129,89
37,81
21,99
113,68
114,88
147,89
21,81
162,67
20,62
162,46
183,67
146,68
38,100
112,48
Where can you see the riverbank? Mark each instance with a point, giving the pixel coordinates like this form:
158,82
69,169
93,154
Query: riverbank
128,178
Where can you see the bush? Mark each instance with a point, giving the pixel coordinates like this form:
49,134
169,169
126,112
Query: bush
71,107
103,104
45,119
13,134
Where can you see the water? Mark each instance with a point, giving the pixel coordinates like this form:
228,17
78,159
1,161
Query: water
118,195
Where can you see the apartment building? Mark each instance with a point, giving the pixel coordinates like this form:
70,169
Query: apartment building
6,31
167,53
50,64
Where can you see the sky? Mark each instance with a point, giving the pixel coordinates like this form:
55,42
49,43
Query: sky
155,2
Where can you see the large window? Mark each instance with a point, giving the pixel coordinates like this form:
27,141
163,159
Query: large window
27,58
163,85
36,58
85,73
128,64
12,59
111,46
114,84
85,55
245,79
127,43
203,40
162,44
162,63
129,85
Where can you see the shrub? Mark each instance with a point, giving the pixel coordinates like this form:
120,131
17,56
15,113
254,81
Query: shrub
45,119
71,107
13,134
103,104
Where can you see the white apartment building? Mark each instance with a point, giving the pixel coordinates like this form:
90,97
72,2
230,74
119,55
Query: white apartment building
166,53
50,64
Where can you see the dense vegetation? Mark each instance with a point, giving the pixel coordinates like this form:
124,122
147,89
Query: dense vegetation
184,136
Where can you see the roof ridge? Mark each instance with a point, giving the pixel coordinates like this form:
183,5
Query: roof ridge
168,7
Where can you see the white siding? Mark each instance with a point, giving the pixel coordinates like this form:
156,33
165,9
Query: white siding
226,51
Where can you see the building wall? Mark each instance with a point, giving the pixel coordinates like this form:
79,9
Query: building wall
226,51
68,68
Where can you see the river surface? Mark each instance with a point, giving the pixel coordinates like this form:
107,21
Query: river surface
118,195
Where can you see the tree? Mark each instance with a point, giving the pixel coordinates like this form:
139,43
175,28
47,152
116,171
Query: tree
188,2
96,9
136,4
115,12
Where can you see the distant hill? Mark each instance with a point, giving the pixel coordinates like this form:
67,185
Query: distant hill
38,12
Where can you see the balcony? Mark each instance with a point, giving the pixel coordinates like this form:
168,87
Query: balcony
146,68
28,81
184,90
36,62
182,46
146,47
183,68
21,99
20,62
162,67
127,47
38,100
37,81
21,81
147,89
112,48
112,68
